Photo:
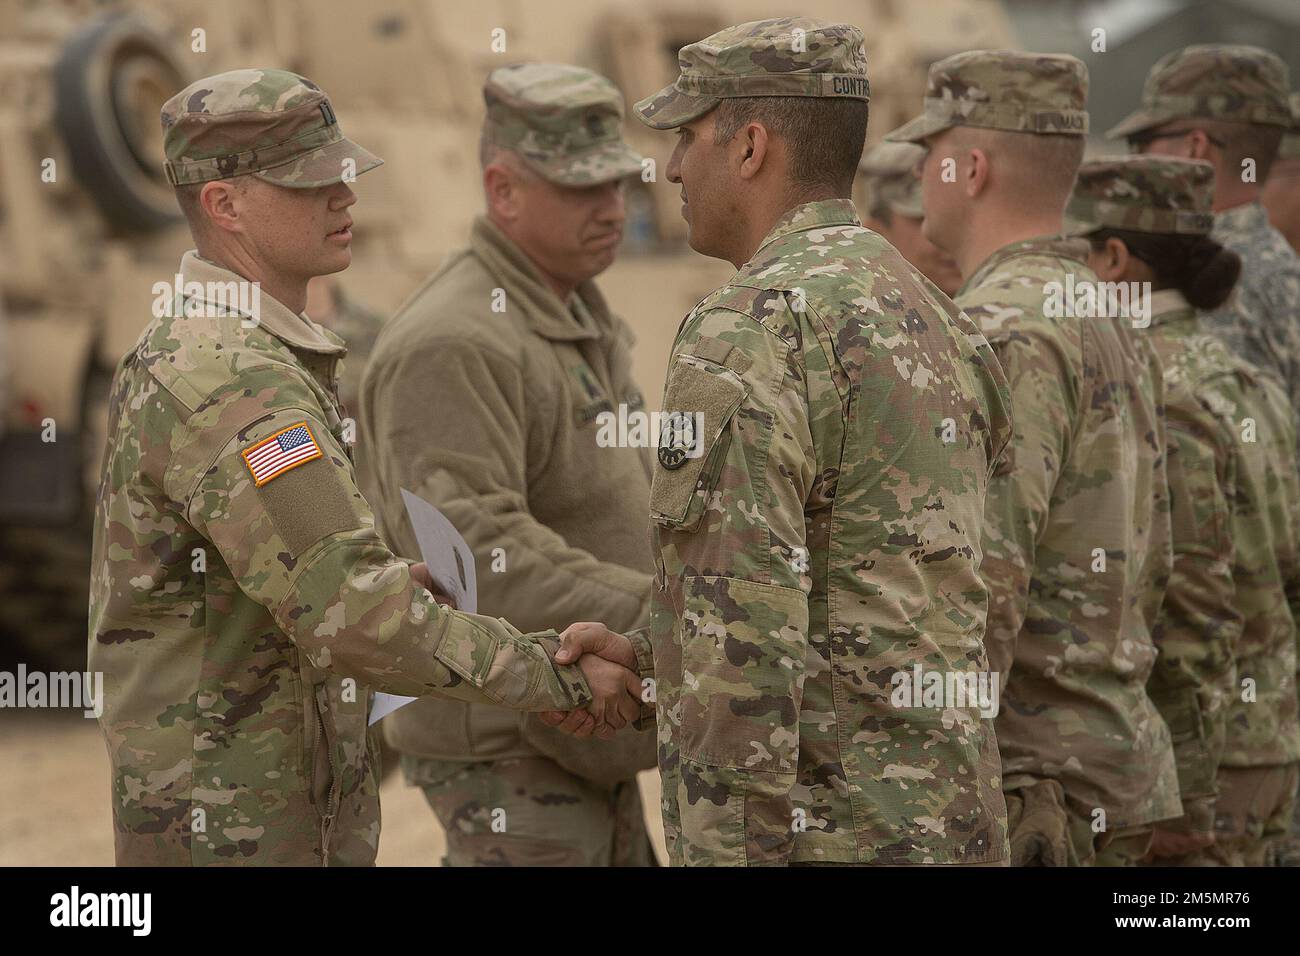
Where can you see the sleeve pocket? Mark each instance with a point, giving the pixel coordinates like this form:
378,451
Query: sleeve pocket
698,407
743,653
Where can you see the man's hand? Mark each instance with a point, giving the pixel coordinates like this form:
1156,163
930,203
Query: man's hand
420,574
606,658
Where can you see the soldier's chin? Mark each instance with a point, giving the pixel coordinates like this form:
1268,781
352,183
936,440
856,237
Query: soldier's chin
335,260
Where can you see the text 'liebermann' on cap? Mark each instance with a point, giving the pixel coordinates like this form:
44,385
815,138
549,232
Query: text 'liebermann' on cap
1042,93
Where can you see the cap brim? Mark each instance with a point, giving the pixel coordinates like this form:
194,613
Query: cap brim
1136,123
919,129
322,167
602,164
670,108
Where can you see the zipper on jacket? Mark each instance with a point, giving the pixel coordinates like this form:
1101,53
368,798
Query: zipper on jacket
331,809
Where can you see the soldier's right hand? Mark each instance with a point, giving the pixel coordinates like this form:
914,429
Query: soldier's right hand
615,694
421,576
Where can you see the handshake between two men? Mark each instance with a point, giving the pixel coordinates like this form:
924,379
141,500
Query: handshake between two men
608,664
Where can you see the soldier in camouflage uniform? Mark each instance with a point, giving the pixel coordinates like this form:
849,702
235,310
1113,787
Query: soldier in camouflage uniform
1228,104
818,497
1281,192
486,396
1076,549
1229,617
893,208
241,603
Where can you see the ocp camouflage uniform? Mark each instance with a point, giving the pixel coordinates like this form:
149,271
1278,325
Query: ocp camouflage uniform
241,614
817,527
1229,613
889,184
1247,85
494,415
1077,548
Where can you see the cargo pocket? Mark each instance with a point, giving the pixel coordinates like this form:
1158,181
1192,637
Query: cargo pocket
700,401
743,653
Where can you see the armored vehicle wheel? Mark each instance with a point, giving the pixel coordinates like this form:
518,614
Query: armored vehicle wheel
110,83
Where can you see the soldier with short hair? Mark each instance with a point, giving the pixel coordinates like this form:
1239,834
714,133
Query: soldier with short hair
1281,192
817,503
893,209
1076,549
242,604
1227,104
1231,608
488,395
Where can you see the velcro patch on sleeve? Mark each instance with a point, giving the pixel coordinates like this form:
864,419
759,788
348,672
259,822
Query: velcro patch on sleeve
281,452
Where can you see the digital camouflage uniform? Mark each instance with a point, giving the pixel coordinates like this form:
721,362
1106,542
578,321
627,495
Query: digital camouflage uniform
817,527
1247,85
1230,611
1076,551
485,396
241,606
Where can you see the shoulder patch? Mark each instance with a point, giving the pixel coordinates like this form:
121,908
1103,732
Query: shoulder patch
281,452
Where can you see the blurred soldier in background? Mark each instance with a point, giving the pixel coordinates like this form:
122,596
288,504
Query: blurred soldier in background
1228,105
1281,192
819,492
241,602
893,204
1230,610
1076,548
488,395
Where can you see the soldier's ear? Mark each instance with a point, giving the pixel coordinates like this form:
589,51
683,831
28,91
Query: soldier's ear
220,205
755,141
976,174
501,191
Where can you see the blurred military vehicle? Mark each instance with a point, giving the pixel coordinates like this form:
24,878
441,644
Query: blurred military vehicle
88,224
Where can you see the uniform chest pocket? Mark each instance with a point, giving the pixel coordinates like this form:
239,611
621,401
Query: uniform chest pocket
693,436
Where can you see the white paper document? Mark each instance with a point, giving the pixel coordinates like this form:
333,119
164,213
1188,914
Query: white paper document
450,562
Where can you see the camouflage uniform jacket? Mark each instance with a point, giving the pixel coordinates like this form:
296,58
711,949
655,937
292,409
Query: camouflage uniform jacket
495,416
239,627
1076,550
1229,614
825,538
1261,322
1194,677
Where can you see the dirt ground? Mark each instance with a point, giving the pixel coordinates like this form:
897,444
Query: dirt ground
54,799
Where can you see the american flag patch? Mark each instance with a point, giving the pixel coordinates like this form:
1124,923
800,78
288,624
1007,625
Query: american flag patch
287,448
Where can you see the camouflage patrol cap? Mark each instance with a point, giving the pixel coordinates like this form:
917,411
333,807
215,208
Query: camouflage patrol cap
1290,147
887,171
1003,90
272,123
563,121
787,56
1221,81
1161,194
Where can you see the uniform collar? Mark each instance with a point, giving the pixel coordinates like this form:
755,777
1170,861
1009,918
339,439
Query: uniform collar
1061,247
296,331
1169,306
1246,218
811,215
584,316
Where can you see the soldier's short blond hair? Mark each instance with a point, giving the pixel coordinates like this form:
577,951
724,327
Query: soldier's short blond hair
1043,167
